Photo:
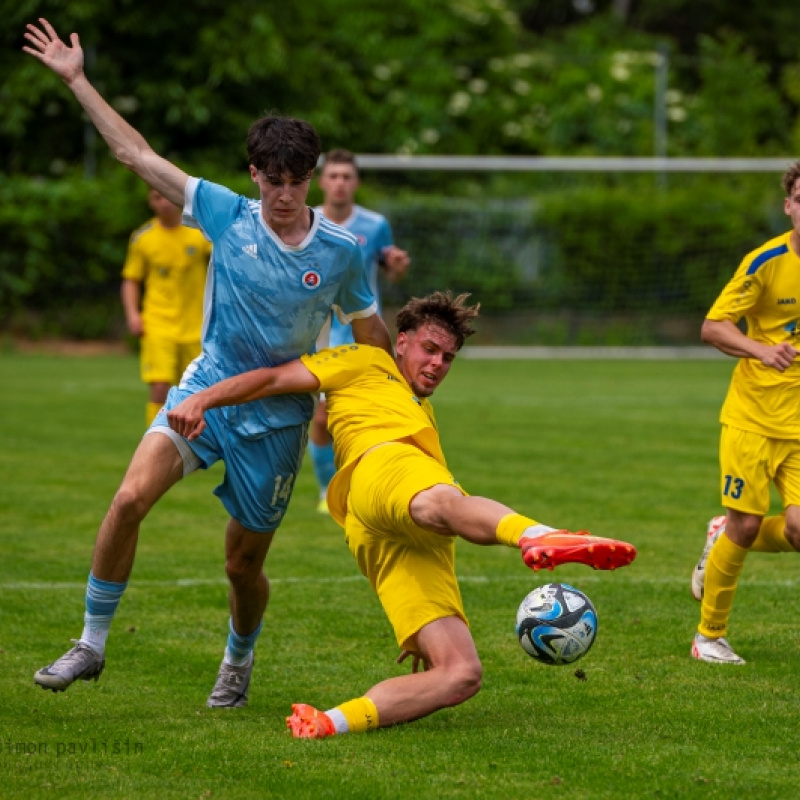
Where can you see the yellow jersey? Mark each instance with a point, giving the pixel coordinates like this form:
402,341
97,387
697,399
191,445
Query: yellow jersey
765,291
369,403
171,263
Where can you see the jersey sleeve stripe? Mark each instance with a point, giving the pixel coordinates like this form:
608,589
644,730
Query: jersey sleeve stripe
338,232
767,255
346,319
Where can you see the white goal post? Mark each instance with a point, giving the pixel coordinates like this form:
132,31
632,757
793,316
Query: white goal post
570,164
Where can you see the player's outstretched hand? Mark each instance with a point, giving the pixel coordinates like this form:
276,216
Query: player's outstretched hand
563,547
66,62
187,418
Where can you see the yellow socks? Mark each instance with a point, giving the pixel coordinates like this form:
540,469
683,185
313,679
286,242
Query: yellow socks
152,411
772,536
511,527
354,716
725,563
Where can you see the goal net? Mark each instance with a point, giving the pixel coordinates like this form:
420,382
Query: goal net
577,251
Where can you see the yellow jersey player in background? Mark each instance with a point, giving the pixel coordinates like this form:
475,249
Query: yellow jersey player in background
760,440
167,263
400,506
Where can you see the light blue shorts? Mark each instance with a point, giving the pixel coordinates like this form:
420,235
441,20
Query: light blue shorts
260,473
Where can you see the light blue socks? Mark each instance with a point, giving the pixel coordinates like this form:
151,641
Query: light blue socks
240,648
102,599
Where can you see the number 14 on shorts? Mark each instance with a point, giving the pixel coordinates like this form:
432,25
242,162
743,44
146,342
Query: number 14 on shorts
283,488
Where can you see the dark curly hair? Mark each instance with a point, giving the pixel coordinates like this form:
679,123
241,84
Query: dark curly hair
791,177
440,309
283,145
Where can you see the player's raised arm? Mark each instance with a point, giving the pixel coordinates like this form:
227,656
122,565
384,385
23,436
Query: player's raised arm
126,143
293,377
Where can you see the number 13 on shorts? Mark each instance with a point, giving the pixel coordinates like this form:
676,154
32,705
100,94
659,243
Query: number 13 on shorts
732,487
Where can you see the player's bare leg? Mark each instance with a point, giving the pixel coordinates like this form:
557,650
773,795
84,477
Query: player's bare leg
722,569
155,467
157,396
445,510
452,674
245,552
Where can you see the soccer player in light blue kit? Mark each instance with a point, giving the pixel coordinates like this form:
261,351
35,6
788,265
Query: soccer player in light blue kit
339,182
277,269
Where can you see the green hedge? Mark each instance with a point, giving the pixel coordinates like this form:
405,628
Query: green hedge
599,249
641,248
62,245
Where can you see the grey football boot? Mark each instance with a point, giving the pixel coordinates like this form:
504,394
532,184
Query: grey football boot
79,663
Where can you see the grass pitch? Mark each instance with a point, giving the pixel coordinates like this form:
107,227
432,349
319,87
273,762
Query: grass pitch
625,449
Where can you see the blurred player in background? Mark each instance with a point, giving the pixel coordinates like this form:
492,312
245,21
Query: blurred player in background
760,441
401,508
339,181
162,294
277,270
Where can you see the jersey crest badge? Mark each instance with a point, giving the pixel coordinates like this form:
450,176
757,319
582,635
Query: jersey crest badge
311,279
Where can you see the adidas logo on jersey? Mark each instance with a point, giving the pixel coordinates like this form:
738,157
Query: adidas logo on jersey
251,250
786,301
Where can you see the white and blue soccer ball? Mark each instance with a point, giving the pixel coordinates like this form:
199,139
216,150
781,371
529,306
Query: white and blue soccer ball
556,624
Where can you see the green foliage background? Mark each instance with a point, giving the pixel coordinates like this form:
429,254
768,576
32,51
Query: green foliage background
473,77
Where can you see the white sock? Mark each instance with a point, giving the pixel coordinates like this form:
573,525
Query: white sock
95,638
339,720
238,662
537,530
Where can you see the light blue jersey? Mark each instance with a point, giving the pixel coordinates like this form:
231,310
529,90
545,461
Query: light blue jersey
266,301
373,234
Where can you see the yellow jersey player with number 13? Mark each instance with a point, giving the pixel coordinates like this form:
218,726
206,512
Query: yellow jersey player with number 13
760,440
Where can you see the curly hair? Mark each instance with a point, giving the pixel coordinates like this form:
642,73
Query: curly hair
283,146
790,178
440,309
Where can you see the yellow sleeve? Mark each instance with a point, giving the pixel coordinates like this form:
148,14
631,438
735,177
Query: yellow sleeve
739,295
135,266
336,367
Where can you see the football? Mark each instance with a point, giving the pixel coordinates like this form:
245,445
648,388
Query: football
556,624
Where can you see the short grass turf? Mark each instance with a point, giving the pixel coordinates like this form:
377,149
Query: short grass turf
623,448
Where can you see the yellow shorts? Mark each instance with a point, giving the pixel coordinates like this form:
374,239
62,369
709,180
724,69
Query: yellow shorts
749,462
411,570
163,361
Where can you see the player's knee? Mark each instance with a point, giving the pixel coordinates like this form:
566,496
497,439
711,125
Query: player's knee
431,508
242,568
129,506
792,533
159,392
749,530
463,681
742,529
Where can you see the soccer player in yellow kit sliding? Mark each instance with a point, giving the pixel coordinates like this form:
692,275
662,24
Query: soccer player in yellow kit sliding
162,294
400,506
760,440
